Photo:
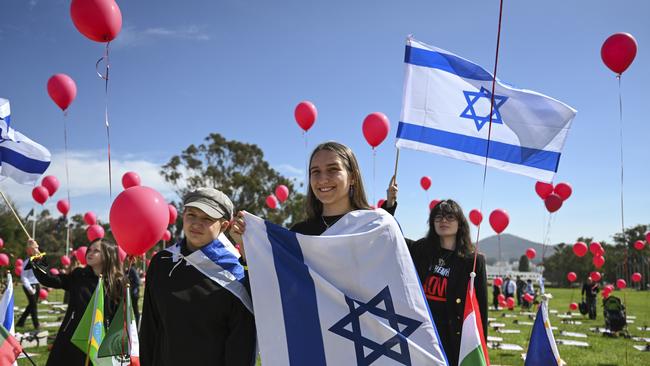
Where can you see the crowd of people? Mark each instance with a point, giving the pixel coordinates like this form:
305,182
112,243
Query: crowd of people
190,317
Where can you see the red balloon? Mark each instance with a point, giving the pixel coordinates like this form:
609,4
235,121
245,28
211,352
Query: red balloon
18,271
167,235
595,276
639,245
553,202
636,277
475,217
425,183
531,253
499,220
90,218
580,249
433,204
380,202
130,179
529,298
173,214
94,232
501,298
375,128
618,52
65,260
596,249
99,20
54,271
147,208
621,284
2,243
511,302
121,254
19,262
63,206
40,194
543,189
647,237
573,306
80,254
498,281
282,192
609,288
305,114
4,260
42,294
62,90
51,184
271,202
571,276
599,261
563,190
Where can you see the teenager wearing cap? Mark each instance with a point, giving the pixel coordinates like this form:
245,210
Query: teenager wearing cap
196,309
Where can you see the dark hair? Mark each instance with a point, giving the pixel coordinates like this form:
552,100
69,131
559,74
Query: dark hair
111,269
314,207
464,246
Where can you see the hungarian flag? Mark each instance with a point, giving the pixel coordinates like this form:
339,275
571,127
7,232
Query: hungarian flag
9,347
121,338
90,331
473,349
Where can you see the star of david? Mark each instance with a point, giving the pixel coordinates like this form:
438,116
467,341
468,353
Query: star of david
473,97
358,308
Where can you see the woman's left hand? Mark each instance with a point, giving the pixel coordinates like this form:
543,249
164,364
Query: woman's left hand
391,192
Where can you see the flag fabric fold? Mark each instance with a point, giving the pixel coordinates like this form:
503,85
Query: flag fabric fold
121,339
349,294
90,331
5,120
473,348
446,110
542,349
10,348
22,159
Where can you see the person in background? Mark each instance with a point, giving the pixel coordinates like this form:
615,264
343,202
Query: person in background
496,291
134,281
590,291
31,287
521,289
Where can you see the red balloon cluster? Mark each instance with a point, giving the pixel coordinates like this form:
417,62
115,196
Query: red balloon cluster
571,276
271,202
62,90
475,217
553,196
531,253
425,183
499,220
98,20
305,114
596,249
580,249
375,128
618,52
282,192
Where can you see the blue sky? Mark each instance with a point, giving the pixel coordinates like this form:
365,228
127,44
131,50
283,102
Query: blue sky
183,69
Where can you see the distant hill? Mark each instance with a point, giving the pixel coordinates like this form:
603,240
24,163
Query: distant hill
512,247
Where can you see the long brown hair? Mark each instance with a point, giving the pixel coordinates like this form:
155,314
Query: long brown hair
111,270
464,246
314,207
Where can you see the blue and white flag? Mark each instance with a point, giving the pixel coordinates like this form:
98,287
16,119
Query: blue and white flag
6,133
7,307
22,159
542,350
446,110
348,297
218,263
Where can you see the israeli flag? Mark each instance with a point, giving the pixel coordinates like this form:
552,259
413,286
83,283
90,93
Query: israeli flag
22,159
348,297
5,120
446,110
7,307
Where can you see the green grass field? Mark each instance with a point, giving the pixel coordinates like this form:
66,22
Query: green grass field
602,351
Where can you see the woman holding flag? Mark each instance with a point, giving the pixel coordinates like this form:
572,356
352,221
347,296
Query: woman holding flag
444,260
102,259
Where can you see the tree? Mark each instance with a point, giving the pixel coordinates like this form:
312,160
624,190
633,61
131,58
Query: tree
237,169
524,264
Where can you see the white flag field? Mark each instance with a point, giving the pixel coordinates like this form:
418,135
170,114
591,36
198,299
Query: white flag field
446,110
348,297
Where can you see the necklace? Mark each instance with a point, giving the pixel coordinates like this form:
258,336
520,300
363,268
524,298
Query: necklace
324,222
442,260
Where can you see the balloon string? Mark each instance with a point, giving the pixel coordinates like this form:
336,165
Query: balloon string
487,148
374,168
620,116
106,59
67,178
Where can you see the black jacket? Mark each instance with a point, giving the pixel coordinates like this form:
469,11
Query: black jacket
81,284
187,319
422,253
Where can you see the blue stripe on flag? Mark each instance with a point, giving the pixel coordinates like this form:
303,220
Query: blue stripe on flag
224,258
534,158
298,296
539,352
445,62
9,313
22,162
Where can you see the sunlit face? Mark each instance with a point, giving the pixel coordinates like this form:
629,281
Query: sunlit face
94,256
445,224
329,179
201,229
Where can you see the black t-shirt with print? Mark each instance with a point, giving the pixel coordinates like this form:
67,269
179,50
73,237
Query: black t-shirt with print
435,286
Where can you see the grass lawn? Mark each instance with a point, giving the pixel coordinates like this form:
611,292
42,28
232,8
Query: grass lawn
601,352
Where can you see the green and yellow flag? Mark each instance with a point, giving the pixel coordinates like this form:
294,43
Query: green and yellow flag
90,331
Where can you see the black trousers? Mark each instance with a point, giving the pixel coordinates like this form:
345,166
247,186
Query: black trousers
136,311
591,305
31,308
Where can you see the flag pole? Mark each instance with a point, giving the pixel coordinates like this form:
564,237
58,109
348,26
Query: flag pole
15,214
29,358
396,162
92,324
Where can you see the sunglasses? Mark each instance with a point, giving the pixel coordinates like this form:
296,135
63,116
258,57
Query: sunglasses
447,217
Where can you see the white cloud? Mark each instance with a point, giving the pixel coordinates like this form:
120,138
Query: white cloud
133,36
